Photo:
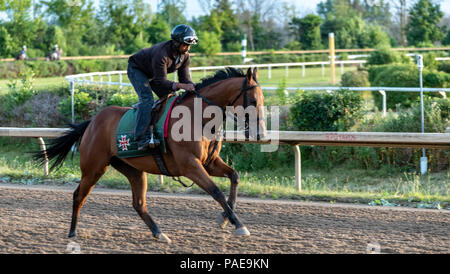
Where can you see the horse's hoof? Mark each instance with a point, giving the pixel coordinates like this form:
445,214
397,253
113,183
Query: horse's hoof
72,234
163,237
243,231
222,221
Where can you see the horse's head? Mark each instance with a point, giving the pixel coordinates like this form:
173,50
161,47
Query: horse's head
252,99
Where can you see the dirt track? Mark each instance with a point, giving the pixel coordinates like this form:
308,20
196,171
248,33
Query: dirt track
37,219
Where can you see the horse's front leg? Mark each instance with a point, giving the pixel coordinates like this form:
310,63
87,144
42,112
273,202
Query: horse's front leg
219,168
194,170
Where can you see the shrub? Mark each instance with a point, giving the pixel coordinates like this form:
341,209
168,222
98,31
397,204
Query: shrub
320,111
123,99
18,93
403,76
383,56
359,78
82,102
444,66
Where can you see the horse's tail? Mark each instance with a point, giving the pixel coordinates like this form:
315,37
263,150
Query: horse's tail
61,146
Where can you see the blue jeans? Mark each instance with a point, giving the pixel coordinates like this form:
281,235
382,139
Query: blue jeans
142,87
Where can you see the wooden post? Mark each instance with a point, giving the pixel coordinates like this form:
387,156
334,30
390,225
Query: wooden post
161,179
298,168
332,57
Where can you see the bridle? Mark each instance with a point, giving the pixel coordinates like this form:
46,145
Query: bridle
243,92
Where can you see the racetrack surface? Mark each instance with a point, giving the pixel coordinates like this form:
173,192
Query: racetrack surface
36,219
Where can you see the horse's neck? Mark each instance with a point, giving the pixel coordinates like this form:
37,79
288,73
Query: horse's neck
222,93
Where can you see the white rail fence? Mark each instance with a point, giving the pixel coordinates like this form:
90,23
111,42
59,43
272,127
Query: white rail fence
292,138
89,78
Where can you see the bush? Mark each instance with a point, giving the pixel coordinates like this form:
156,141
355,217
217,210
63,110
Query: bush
18,93
403,76
383,56
437,118
59,68
123,99
359,78
248,157
320,111
82,102
444,66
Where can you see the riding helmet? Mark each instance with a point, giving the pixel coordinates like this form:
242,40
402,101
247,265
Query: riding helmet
184,34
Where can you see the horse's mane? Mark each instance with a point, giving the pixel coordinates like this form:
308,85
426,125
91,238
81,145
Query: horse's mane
220,75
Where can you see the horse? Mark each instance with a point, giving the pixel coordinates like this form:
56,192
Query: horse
54,56
98,151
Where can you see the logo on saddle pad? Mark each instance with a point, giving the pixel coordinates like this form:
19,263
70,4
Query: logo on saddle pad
124,142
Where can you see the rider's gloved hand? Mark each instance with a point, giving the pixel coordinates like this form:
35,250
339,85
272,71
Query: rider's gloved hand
186,87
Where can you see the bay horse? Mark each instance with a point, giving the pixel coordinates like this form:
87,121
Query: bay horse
98,150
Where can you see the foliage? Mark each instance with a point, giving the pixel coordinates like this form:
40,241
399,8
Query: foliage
382,56
423,21
123,99
158,30
281,92
18,93
307,31
322,111
404,76
359,78
82,102
209,43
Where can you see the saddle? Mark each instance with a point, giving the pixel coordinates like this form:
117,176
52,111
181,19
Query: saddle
161,110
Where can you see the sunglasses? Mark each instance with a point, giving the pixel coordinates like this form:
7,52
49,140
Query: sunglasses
190,40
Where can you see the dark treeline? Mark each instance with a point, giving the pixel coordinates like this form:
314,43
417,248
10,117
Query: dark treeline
79,27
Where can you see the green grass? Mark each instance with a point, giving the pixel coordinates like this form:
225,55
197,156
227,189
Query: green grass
340,184
38,83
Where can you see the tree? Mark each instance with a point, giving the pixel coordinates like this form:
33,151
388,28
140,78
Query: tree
229,23
307,30
75,20
125,23
422,27
7,45
209,43
446,40
158,30
172,12
20,25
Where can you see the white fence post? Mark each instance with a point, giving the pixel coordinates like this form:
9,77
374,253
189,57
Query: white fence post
323,70
384,101
298,168
303,70
270,71
44,150
72,91
120,80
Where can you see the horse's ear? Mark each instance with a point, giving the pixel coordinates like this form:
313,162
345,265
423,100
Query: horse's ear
255,74
249,75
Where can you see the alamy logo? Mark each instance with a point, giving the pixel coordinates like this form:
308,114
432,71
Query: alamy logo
73,248
240,124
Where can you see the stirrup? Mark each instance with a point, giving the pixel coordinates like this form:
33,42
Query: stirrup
153,142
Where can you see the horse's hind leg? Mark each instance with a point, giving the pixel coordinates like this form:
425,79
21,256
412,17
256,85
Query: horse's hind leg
219,168
88,179
138,181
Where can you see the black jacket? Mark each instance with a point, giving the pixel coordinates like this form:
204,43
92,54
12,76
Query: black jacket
157,61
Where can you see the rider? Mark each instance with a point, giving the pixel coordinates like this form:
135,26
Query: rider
57,52
147,71
22,54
